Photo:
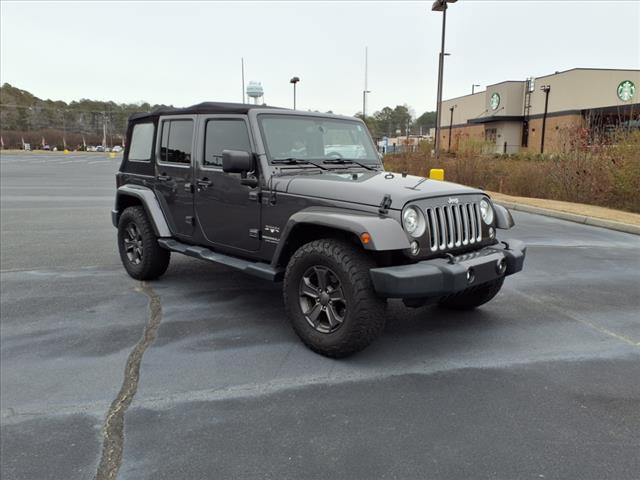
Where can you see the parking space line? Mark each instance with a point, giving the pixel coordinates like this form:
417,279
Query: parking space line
587,323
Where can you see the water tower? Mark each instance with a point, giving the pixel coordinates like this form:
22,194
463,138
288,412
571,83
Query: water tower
255,91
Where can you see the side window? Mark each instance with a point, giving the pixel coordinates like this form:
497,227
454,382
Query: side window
177,136
227,134
141,142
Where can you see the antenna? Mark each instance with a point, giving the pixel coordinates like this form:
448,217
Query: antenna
366,68
366,82
242,62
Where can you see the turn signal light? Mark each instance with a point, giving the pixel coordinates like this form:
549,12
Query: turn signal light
365,238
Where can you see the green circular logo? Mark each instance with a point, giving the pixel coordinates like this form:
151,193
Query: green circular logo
494,101
626,90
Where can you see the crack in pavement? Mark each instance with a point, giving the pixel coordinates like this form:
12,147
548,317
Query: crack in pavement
113,429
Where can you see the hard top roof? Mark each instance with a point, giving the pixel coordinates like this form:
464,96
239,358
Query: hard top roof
204,107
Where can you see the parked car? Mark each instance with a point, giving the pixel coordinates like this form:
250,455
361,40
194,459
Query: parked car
46,147
99,148
117,149
91,148
254,188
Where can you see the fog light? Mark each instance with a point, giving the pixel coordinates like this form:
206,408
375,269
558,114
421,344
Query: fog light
470,275
501,266
492,233
415,248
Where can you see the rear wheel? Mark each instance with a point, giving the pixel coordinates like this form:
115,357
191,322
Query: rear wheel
474,297
330,300
142,257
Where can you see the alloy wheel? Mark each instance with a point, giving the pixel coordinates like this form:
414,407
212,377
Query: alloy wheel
322,299
133,244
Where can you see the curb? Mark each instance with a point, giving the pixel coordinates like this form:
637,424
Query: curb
572,217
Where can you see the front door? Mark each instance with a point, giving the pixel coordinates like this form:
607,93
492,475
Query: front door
227,211
174,173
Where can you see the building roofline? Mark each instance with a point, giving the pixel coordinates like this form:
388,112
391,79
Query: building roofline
587,68
506,81
463,96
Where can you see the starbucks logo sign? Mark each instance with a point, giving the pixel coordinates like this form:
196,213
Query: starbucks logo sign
626,90
494,101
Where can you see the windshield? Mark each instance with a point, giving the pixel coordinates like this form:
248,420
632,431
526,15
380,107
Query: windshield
316,138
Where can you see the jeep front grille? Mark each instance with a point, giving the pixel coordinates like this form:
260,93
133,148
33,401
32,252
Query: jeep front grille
452,226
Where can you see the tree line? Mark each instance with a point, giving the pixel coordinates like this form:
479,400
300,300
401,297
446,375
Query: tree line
391,122
23,116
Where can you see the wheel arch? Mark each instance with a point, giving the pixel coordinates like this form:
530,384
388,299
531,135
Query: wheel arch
316,222
132,195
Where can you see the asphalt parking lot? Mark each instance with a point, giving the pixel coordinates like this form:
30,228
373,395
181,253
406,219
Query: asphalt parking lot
543,382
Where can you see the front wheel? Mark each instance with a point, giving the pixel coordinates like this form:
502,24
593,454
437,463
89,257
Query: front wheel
474,297
141,256
330,300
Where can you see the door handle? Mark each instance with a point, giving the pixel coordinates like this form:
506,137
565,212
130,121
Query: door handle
163,178
204,183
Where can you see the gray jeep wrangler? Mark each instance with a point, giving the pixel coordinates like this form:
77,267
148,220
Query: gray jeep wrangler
303,198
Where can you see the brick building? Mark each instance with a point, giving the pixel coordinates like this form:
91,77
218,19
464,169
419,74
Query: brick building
512,115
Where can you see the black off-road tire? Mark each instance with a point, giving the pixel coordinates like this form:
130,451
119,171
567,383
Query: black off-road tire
474,297
363,319
154,260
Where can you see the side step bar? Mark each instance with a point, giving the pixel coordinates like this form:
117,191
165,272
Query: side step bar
258,269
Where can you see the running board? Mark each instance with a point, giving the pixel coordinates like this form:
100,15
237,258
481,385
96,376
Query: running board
258,269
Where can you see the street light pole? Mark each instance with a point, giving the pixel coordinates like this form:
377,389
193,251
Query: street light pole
440,6
450,127
294,80
546,89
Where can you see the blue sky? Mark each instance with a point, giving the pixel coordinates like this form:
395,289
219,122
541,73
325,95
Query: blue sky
182,53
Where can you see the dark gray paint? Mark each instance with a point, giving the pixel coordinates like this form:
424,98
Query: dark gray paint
253,222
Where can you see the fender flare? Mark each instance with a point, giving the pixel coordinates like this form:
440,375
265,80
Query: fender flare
150,203
504,220
386,233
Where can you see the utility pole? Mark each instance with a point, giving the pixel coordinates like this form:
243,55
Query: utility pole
104,129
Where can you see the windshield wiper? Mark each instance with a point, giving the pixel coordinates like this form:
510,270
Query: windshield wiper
344,161
296,161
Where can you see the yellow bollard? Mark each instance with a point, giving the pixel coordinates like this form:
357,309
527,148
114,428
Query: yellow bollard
66,152
112,155
436,174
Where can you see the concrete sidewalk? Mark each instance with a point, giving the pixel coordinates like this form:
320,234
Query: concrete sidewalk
575,212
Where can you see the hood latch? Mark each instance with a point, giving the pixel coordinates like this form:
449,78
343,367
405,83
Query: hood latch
385,204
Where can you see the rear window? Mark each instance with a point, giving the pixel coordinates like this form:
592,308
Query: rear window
177,136
141,142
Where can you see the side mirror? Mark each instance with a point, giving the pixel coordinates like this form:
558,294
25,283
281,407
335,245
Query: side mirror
237,161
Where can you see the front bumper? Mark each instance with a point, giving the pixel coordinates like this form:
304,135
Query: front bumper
444,276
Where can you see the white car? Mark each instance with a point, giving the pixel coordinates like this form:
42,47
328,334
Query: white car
117,149
345,151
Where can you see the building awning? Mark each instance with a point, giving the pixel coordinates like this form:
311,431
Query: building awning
497,118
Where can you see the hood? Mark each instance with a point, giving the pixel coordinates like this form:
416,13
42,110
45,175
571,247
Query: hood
368,188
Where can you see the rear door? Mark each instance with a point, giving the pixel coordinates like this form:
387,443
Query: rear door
174,172
228,212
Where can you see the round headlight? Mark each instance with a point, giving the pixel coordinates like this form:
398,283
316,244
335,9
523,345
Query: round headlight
486,211
413,222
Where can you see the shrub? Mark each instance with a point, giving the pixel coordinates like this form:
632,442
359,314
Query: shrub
606,174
